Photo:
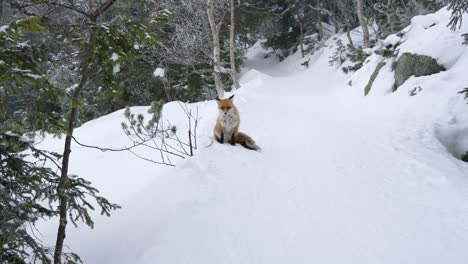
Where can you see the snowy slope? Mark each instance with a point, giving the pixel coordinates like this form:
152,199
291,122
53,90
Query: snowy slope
341,178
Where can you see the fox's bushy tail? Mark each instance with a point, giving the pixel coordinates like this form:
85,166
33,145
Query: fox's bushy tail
246,141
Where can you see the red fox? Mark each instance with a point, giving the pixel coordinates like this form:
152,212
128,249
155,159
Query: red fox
227,125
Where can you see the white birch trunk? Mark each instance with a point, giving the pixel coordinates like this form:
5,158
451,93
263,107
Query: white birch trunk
216,49
232,50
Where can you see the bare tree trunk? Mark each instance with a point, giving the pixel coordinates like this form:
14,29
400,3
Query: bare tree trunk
348,34
319,20
232,49
216,48
301,37
363,22
63,182
336,23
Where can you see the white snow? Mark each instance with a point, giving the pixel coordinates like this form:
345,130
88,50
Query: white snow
33,76
116,68
72,88
20,70
426,29
341,178
23,44
114,57
159,72
368,51
392,40
3,28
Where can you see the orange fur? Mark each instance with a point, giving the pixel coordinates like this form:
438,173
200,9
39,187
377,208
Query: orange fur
226,129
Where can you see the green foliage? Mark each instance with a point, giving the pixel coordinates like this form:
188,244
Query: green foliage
286,37
339,56
386,52
191,83
110,53
357,56
156,135
24,186
29,102
390,19
112,44
28,194
26,96
18,61
136,123
283,43
156,111
287,32
394,15
458,8
465,157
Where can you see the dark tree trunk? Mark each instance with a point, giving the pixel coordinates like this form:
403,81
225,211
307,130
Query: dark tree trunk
301,37
62,186
348,34
319,20
363,22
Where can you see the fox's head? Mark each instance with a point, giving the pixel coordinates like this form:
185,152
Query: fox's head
225,106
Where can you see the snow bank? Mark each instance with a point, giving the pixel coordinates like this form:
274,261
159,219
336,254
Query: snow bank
429,35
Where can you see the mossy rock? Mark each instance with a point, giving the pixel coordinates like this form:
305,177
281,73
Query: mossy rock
415,65
373,77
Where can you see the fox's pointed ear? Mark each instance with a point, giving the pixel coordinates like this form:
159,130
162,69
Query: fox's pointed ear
232,96
217,98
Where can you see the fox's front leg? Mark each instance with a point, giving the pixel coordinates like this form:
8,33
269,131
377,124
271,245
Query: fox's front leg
233,138
219,135
221,138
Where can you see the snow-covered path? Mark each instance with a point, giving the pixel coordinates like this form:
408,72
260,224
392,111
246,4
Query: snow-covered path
328,187
337,181
340,179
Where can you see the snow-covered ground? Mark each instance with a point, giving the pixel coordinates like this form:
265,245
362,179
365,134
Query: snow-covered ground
341,178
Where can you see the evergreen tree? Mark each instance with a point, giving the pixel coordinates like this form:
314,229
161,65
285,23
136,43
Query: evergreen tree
101,40
393,15
458,7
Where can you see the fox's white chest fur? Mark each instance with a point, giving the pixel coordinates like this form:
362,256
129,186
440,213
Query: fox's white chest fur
228,120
